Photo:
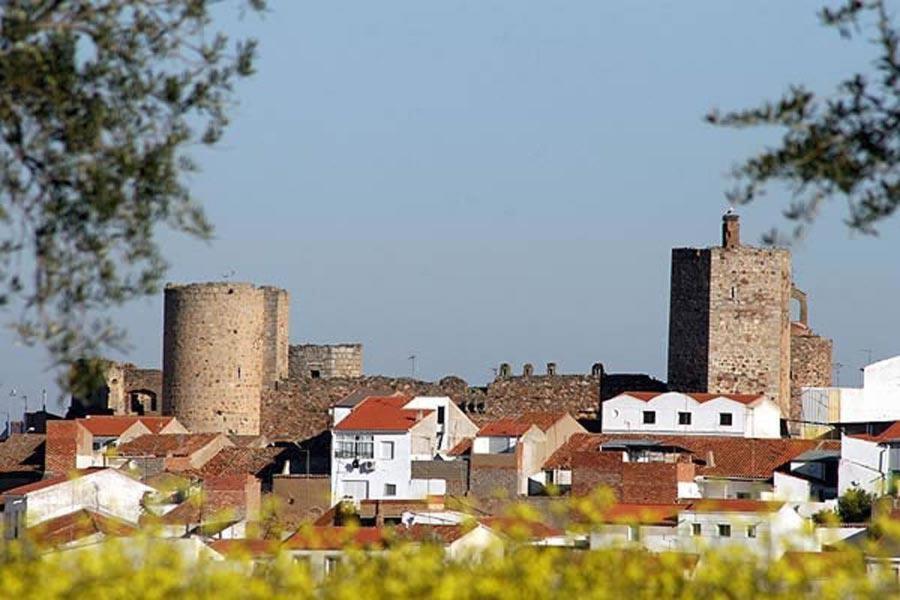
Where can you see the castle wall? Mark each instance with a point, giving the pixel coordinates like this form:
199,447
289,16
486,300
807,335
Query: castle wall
689,320
275,329
811,366
326,361
749,339
213,355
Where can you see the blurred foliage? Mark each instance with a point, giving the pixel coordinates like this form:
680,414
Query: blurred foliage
844,145
855,505
99,101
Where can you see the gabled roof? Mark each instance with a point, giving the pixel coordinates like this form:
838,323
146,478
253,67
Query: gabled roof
236,461
382,413
336,538
518,527
699,397
116,425
22,452
517,426
79,525
361,394
891,434
236,548
641,514
718,456
462,448
504,428
166,444
51,481
734,505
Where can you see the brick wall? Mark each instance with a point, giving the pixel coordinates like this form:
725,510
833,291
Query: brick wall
454,472
65,440
630,482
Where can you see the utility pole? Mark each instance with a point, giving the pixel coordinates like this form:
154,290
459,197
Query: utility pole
412,360
837,372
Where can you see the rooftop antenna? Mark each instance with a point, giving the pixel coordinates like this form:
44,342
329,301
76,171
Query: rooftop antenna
229,274
44,399
412,361
868,352
837,372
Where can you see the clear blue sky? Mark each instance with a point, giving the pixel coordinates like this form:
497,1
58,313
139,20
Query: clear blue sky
486,181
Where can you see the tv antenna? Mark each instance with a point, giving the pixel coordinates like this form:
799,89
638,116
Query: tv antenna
837,372
229,274
412,362
868,353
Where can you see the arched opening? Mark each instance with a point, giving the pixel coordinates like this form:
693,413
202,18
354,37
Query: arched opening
141,402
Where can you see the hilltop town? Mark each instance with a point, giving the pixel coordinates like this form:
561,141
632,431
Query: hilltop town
242,435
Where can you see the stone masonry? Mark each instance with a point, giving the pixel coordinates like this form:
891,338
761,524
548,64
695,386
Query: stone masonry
326,361
729,320
218,353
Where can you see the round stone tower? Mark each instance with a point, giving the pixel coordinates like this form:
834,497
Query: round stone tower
215,344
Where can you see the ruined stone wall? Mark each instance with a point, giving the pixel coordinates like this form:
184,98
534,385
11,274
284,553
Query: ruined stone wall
143,387
750,327
578,395
213,339
811,366
317,361
689,320
276,329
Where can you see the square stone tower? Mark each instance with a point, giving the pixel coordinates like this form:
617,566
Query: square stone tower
729,319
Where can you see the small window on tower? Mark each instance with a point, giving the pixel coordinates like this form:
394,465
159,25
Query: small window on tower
315,374
734,292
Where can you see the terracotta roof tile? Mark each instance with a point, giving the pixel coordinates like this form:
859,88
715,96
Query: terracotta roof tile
336,538
382,413
890,434
699,397
79,525
734,505
236,548
644,514
116,425
22,452
166,444
235,461
504,428
535,530
463,448
752,458
543,419
45,483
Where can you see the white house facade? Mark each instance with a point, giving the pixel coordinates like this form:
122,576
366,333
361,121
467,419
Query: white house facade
374,445
738,415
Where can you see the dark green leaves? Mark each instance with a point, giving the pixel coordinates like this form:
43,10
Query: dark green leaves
98,103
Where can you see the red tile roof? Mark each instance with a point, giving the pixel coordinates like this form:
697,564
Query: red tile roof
734,505
22,452
504,428
719,456
51,481
244,547
78,525
166,444
236,461
382,413
643,514
462,448
116,425
890,434
535,530
336,538
699,397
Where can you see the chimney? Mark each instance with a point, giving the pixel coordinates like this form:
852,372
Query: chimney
710,459
731,230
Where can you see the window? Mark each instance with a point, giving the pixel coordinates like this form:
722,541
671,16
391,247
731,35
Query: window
357,446
315,374
751,531
331,564
649,417
634,533
725,419
724,530
696,529
743,495
684,418
387,450
390,489
440,415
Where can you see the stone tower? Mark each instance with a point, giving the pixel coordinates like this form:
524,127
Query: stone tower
729,319
221,347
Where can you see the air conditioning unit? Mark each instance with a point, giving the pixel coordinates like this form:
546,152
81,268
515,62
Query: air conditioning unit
368,465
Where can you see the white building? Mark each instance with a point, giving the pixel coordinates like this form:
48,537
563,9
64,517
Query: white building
103,491
877,401
870,462
375,442
740,415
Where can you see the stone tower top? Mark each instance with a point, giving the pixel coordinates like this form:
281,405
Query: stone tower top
731,230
